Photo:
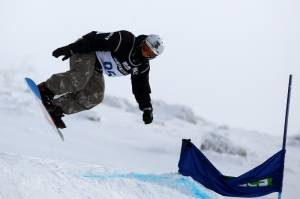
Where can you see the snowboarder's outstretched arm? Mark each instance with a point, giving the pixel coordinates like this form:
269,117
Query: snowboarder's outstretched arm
93,41
141,90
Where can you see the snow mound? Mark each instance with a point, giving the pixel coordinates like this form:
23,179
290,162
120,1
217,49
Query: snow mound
26,177
167,112
163,111
221,144
294,140
119,103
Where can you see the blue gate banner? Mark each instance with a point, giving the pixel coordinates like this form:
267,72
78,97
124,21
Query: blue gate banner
262,180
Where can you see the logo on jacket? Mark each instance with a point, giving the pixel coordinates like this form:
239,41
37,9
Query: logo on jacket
135,71
126,65
120,67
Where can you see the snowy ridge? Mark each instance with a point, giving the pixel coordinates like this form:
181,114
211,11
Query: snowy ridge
163,111
294,141
221,144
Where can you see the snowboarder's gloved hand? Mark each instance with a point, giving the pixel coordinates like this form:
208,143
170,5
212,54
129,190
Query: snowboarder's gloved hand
148,115
63,51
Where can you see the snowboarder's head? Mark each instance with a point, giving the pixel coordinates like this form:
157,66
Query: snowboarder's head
152,46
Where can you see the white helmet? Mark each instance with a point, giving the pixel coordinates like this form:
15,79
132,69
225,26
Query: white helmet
155,43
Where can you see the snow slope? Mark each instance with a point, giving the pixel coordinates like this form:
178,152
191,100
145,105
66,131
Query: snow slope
109,153
27,177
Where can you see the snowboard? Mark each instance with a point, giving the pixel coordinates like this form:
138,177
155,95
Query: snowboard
37,95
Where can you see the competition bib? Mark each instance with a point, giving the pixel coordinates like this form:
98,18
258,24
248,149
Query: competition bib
108,64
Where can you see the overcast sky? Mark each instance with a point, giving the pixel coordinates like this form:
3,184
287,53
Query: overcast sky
229,60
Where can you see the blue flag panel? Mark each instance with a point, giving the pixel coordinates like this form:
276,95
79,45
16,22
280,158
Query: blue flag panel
262,180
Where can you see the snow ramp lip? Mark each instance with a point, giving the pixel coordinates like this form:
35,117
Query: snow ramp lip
185,185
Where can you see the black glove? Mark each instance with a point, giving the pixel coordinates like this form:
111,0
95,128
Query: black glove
148,115
63,51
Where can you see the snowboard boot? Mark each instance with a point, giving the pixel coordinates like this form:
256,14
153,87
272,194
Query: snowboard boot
56,115
47,96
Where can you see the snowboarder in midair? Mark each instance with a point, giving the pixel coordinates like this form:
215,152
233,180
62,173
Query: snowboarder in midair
115,54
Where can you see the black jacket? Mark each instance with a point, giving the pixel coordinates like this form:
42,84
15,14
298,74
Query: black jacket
125,49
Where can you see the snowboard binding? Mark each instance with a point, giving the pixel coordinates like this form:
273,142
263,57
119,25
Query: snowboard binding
55,112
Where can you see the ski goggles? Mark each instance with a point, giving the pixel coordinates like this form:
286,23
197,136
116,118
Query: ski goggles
146,51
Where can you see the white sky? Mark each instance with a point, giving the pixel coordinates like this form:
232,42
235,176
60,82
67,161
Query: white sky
227,59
